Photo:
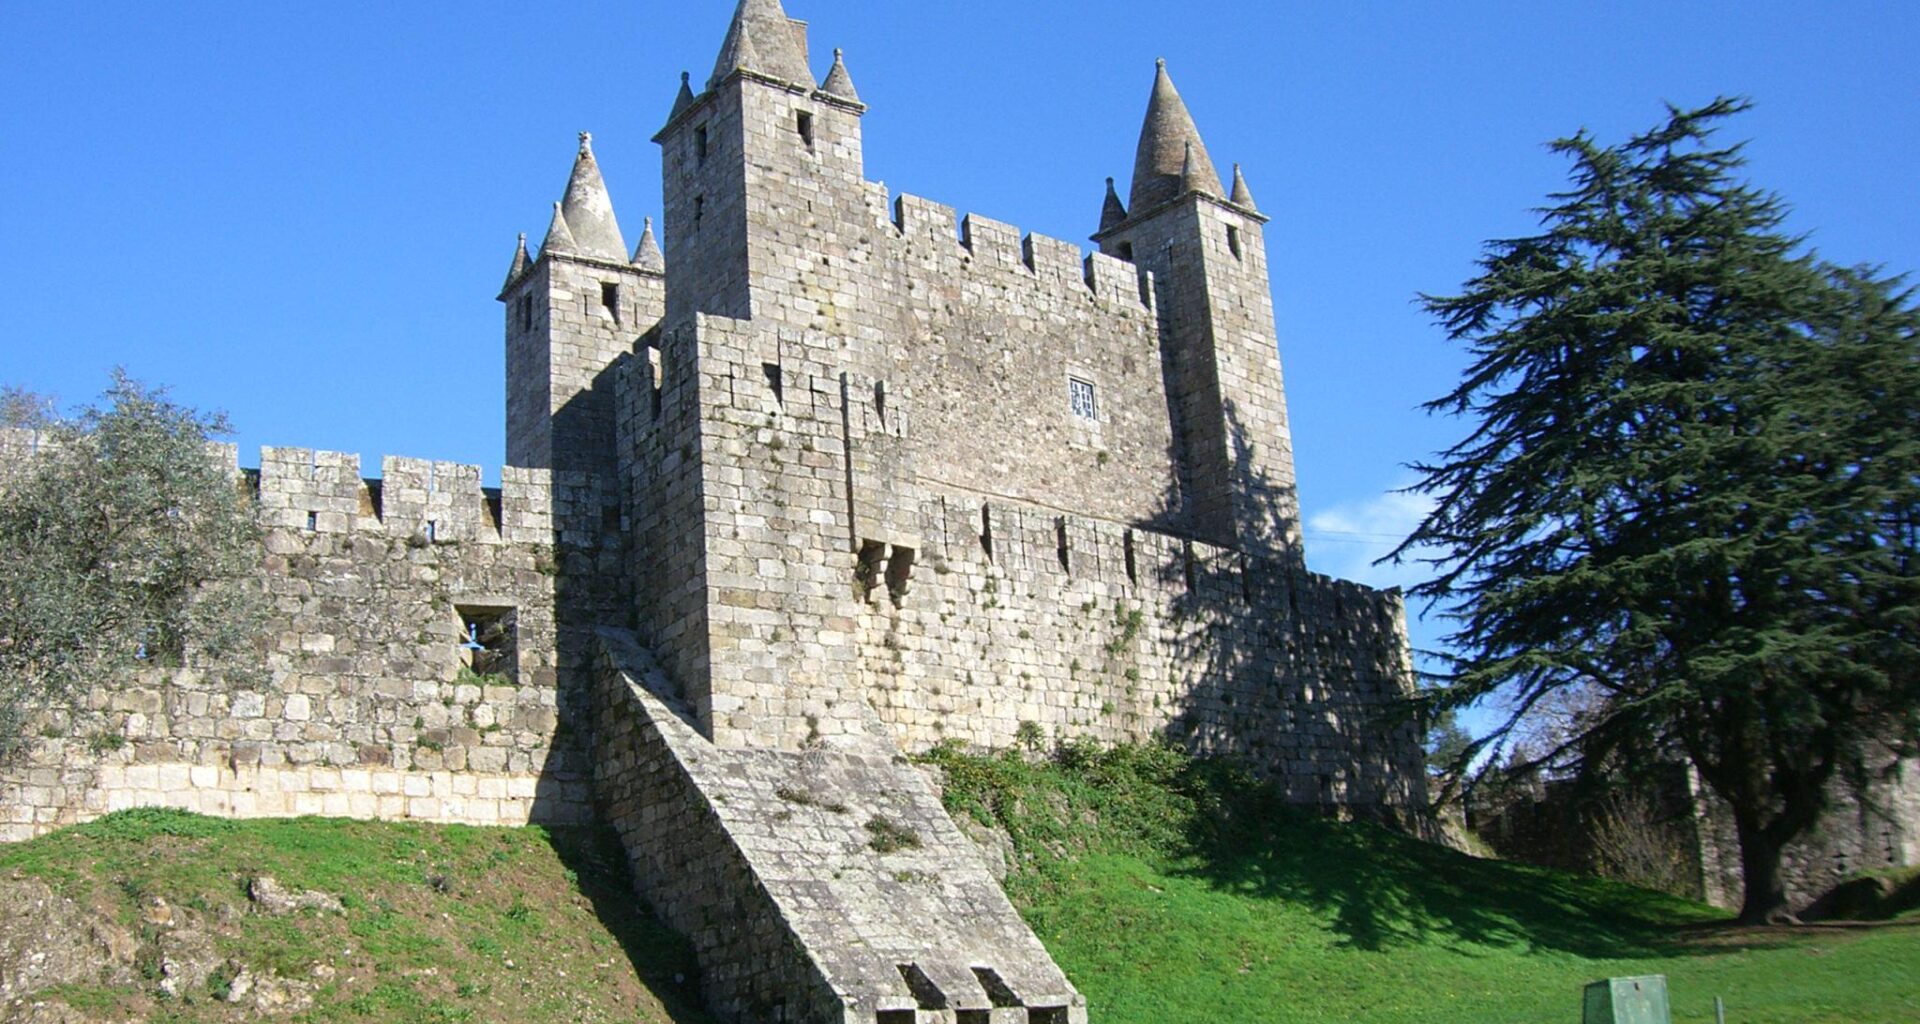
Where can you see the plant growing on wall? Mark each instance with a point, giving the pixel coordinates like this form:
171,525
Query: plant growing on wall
1690,495
124,543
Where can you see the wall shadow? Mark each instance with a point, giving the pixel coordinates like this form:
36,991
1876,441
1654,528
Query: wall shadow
1383,889
662,958
1302,677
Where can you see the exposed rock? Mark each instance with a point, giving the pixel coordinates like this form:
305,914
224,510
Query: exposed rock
271,897
277,996
47,939
187,960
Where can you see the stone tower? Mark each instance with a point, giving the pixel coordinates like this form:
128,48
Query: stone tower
571,312
750,167
1204,247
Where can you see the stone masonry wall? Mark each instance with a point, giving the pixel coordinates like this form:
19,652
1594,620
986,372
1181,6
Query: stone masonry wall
839,576
1854,835
1022,625
368,707
824,885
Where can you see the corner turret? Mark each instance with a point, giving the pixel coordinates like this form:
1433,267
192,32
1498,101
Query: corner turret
838,82
762,140
573,310
1205,250
1242,196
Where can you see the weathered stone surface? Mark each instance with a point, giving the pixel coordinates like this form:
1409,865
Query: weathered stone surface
273,898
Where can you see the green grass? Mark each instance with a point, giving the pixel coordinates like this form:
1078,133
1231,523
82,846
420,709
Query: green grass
442,924
1173,890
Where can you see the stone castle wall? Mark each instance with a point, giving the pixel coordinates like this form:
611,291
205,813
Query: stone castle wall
835,577
368,707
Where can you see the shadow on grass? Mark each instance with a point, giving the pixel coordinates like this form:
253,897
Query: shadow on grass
661,957
1380,888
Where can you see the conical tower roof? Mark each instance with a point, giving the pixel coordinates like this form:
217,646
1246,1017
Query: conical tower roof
647,255
685,97
520,262
1112,213
559,240
1242,196
838,82
589,210
1161,166
762,39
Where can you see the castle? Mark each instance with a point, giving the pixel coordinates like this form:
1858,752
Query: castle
809,480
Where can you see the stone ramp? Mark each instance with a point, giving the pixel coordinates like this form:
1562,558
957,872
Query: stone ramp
823,885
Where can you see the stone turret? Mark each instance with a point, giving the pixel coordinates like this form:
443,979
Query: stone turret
572,311
838,82
1242,196
741,156
1208,260
1112,212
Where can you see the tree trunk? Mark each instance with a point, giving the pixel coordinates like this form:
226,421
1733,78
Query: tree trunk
1766,893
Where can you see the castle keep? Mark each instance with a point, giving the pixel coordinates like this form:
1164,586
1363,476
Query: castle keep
812,478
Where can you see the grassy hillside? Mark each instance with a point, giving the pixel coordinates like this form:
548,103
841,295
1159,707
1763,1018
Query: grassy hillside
1172,891
432,924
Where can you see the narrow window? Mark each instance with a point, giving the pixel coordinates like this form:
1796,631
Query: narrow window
1080,398
986,531
313,521
775,381
433,531
610,299
526,312
880,400
1126,251
1061,548
700,145
803,121
1233,241
1133,563
656,372
699,210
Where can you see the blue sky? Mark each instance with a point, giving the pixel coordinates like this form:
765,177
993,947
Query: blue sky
300,213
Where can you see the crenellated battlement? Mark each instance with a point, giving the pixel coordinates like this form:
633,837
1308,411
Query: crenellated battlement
436,501
937,237
323,492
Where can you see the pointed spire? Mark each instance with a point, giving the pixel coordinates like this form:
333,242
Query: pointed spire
685,99
559,239
838,82
647,255
1112,213
1242,196
1171,159
762,39
520,262
1189,174
589,211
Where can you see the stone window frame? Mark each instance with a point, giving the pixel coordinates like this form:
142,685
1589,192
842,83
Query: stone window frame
1084,432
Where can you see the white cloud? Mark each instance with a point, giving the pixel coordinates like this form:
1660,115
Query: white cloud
1345,540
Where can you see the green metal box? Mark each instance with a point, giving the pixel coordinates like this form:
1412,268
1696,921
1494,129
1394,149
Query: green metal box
1640,1000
